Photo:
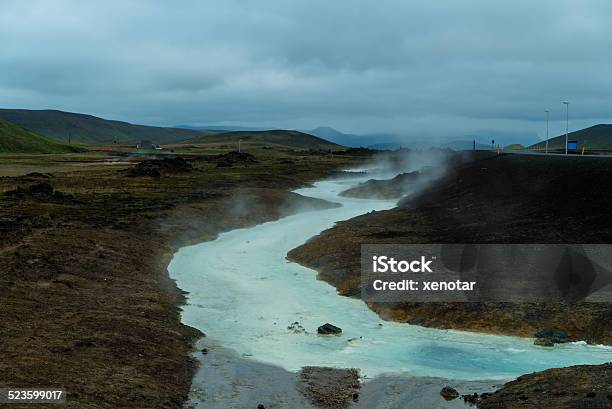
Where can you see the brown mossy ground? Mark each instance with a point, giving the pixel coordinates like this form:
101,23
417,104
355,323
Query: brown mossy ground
85,298
329,388
581,386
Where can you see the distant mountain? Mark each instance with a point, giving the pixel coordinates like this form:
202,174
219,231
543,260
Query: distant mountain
338,137
502,137
328,133
223,128
277,138
514,147
390,141
391,146
14,139
463,145
355,141
90,129
598,137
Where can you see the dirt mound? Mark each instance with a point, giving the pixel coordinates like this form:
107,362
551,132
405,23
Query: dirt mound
397,187
329,387
32,176
155,167
582,386
357,152
40,191
36,175
231,158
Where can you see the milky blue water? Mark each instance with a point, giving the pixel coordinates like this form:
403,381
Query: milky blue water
243,294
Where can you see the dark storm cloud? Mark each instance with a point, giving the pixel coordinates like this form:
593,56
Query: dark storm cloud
444,68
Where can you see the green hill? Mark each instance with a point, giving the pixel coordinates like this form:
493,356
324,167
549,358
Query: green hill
91,129
14,139
598,137
514,147
276,138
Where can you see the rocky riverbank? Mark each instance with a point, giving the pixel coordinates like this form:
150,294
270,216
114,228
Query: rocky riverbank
493,199
229,380
87,303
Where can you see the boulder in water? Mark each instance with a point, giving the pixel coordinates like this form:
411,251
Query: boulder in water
449,393
296,328
557,336
472,399
329,329
544,342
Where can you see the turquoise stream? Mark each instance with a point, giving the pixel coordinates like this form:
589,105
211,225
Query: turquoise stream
243,294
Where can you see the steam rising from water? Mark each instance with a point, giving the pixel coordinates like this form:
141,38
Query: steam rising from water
405,172
386,165
244,294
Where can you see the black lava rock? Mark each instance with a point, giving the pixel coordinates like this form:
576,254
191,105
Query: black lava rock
41,192
449,393
544,342
230,158
155,167
329,329
555,335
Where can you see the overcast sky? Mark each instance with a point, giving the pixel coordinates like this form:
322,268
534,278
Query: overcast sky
443,68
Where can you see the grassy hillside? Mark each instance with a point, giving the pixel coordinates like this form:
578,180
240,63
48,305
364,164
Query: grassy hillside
277,138
91,129
514,147
598,137
14,139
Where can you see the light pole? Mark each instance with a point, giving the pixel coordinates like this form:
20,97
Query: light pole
566,103
547,119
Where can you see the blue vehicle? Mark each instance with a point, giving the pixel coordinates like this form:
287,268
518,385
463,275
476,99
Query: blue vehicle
572,147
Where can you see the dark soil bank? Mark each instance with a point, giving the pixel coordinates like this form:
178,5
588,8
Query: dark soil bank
330,387
394,188
494,199
86,301
580,386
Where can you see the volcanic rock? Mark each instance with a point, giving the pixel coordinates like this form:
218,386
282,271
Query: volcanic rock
555,335
230,158
329,329
449,393
544,342
155,167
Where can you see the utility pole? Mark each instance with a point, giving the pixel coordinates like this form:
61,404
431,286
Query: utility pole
239,141
566,103
69,138
547,121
